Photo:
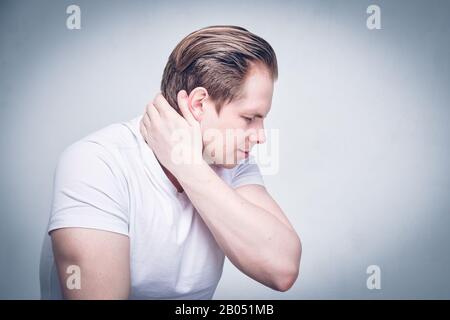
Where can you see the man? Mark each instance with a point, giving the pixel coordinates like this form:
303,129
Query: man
144,215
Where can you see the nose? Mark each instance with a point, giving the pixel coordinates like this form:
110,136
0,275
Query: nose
258,137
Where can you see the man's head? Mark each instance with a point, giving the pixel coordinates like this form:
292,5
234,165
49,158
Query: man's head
228,73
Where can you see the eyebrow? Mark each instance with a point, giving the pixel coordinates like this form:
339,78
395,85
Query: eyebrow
256,114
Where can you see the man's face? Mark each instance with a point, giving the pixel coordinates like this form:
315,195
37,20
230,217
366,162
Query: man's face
229,136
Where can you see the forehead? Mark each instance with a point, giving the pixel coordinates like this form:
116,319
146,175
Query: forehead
256,96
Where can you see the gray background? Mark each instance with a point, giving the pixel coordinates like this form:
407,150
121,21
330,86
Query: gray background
363,118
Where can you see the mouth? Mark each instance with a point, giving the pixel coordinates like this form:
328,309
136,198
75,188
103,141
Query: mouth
246,153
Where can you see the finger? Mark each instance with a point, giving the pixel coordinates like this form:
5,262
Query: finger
143,131
183,104
152,112
146,121
162,105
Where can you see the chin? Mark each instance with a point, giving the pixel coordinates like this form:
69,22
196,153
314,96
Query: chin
221,161
228,165
222,165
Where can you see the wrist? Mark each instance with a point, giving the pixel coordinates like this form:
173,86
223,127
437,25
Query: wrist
192,174
185,171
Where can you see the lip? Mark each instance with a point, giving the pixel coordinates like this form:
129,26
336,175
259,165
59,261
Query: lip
246,153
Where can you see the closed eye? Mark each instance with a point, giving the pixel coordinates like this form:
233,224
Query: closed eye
248,119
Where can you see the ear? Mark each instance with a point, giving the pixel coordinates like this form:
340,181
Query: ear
197,99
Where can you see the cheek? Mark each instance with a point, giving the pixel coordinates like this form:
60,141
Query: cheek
229,141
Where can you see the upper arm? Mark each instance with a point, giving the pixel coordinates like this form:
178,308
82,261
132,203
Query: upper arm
258,195
102,258
89,223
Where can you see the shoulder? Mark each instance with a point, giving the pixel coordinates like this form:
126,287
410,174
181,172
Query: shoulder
98,154
245,167
245,172
106,143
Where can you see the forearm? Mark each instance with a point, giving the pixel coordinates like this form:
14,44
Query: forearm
254,240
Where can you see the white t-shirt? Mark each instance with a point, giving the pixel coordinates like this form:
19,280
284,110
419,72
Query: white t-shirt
111,180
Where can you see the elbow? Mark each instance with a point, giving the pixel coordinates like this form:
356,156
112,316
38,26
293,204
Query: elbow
289,276
285,282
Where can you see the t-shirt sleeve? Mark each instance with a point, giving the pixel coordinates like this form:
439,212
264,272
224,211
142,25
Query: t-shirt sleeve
247,172
89,190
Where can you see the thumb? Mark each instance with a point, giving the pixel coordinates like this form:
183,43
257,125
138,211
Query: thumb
183,104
